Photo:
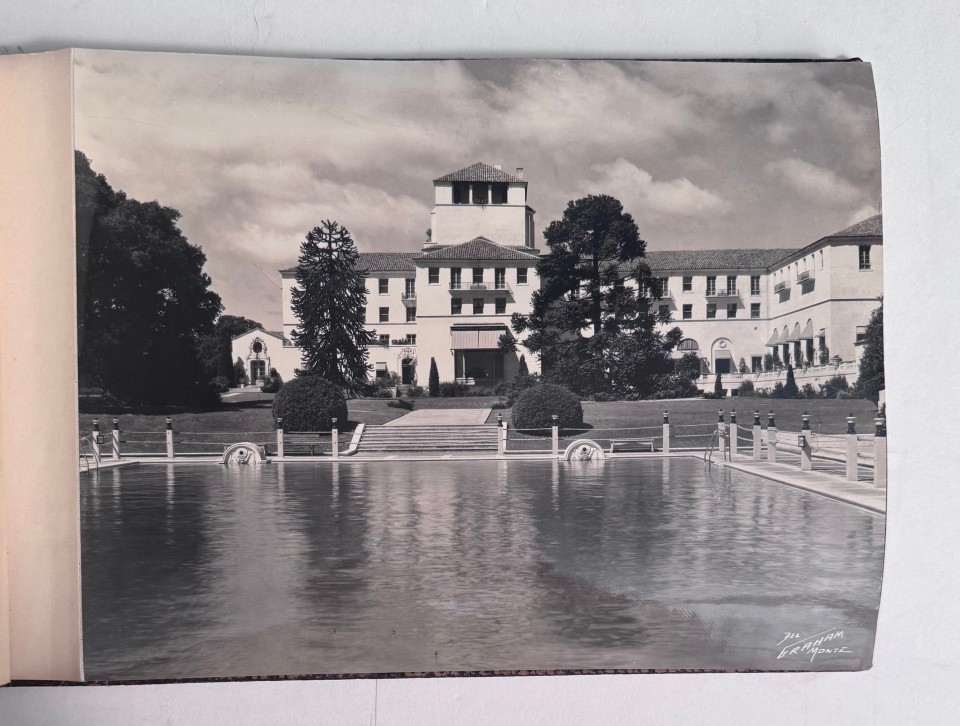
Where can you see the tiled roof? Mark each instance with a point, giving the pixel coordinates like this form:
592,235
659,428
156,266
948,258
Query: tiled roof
273,333
479,172
379,262
869,227
741,259
479,248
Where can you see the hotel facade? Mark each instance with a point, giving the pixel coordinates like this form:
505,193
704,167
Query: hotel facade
452,300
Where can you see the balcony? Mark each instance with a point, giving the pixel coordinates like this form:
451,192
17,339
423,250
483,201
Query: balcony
409,297
481,288
782,286
728,294
805,276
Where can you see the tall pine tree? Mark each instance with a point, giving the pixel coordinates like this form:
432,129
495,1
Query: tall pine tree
330,303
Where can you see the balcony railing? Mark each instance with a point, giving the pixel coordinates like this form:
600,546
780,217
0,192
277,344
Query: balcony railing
480,287
781,286
410,296
805,276
723,293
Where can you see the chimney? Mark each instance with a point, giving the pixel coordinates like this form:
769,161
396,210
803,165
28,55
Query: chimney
498,167
519,172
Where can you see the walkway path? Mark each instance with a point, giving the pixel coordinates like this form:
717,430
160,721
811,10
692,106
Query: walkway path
443,416
860,494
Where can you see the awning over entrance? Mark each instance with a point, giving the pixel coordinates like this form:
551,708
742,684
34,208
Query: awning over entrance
807,332
476,337
793,337
774,340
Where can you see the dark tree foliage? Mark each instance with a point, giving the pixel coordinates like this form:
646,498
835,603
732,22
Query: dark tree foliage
239,372
216,349
536,407
522,369
790,389
330,302
309,403
434,382
143,300
718,387
871,380
592,332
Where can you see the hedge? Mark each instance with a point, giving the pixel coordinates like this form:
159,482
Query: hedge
536,406
309,403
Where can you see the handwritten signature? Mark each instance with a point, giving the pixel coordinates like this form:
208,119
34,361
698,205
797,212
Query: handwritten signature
829,642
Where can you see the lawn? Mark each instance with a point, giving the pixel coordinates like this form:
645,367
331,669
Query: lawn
693,421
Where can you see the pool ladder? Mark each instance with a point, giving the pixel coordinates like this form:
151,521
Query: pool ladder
85,441
715,444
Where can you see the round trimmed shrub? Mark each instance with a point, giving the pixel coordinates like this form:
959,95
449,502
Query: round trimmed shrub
309,403
535,407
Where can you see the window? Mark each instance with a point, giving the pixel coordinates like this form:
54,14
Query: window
756,364
808,352
821,259
754,310
731,284
755,284
461,193
411,338
864,257
711,311
711,285
500,278
384,287
383,339
481,194
478,306
410,288
381,369
521,275
456,305
688,344
384,315
433,275
687,284
477,275
411,315
664,311
688,312
454,278
731,310
498,193
501,303
664,286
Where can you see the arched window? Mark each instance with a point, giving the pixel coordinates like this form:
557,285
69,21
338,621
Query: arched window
688,344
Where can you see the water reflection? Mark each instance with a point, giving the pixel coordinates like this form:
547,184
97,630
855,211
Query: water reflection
203,570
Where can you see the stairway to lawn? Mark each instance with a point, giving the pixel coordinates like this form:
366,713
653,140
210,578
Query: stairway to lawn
429,438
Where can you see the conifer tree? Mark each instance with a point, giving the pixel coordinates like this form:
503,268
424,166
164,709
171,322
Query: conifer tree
790,389
330,303
522,369
871,379
718,387
434,383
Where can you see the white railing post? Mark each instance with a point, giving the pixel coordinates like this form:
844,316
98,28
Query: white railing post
757,436
880,453
666,432
771,438
115,438
555,437
500,441
95,438
733,432
806,452
721,431
279,438
169,438
334,440
851,448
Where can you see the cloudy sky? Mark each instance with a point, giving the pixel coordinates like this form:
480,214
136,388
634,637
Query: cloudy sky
254,152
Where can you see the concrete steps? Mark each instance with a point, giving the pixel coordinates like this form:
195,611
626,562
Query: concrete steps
429,438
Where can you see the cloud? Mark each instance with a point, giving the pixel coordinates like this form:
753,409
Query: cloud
816,184
643,196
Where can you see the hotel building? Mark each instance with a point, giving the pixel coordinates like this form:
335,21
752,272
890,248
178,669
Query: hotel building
452,300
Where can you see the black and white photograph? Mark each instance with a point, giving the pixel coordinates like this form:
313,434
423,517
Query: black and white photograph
477,366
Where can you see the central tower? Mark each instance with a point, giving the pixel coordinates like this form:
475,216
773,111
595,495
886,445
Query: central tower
481,201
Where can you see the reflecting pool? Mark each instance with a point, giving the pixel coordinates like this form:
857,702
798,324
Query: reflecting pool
372,567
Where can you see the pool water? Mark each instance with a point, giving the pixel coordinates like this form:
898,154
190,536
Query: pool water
373,567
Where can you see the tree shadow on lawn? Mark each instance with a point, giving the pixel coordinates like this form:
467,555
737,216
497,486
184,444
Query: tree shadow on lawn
119,410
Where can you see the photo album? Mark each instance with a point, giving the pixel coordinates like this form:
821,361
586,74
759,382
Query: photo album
338,368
